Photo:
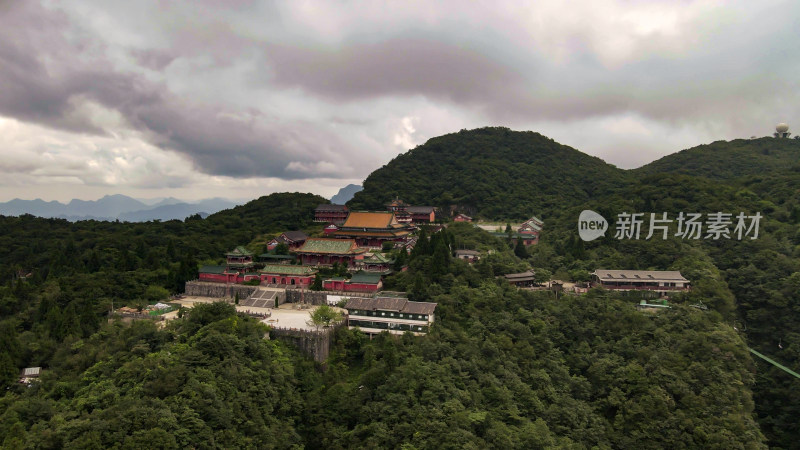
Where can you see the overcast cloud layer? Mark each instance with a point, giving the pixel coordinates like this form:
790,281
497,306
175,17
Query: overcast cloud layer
240,99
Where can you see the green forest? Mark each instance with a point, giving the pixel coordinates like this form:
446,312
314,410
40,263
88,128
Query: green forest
501,367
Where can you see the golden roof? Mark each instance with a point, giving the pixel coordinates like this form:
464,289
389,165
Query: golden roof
370,220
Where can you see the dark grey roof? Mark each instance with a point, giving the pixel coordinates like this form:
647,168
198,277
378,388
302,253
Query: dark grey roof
639,275
331,208
296,236
212,269
273,256
520,276
391,304
468,252
419,308
420,209
366,277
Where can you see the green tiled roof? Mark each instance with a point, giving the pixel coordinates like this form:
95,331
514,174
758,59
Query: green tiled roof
212,269
378,258
239,251
273,256
332,246
284,269
366,277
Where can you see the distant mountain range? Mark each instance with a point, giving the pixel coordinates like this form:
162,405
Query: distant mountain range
345,194
116,207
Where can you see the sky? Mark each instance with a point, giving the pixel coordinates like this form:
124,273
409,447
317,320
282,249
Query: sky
238,99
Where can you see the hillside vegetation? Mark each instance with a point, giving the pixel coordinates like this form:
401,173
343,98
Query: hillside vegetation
491,172
502,368
726,160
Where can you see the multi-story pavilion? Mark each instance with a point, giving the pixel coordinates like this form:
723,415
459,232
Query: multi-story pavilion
372,229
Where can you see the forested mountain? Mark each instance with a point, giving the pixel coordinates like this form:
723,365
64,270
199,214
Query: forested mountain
495,172
501,368
725,160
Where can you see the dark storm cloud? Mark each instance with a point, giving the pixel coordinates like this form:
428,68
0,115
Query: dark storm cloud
295,90
47,75
705,71
398,66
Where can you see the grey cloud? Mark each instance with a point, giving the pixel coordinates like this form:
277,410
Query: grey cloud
45,84
154,59
729,73
397,66
736,66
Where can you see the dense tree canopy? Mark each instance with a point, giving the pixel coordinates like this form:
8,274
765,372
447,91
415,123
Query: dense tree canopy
501,367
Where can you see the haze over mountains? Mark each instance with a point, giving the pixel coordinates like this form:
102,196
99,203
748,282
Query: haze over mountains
116,207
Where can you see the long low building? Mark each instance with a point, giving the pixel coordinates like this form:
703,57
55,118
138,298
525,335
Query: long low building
360,282
395,315
645,280
291,275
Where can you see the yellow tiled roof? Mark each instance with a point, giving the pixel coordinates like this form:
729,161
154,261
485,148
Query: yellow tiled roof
369,220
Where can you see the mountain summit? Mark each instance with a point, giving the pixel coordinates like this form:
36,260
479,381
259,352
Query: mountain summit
495,172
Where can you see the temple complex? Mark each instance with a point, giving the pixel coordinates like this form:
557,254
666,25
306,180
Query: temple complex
372,229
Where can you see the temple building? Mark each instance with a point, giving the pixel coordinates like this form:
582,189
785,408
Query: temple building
325,252
406,213
468,255
292,239
272,258
422,214
330,229
529,231
462,218
661,281
301,276
523,279
396,205
375,262
335,214
360,282
239,267
395,315
239,259
224,274
372,229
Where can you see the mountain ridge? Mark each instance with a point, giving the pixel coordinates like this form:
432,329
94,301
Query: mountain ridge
115,207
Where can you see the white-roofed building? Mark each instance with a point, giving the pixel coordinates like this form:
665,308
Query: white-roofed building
645,280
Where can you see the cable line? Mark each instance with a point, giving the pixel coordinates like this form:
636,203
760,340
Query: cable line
778,365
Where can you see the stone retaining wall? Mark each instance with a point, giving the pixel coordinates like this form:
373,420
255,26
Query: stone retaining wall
218,290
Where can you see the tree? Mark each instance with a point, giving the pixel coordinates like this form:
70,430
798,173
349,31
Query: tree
282,249
317,284
324,316
156,293
520,249
542,275
400,260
